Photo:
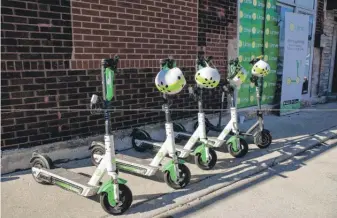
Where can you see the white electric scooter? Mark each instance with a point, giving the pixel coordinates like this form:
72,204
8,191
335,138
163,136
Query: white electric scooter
176,173
236,144
197,145
115,196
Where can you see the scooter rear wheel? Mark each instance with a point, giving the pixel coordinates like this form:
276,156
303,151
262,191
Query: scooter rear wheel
197,124
140,135
177,127
210,163
242,151
263,139
125,196
40,164
185,175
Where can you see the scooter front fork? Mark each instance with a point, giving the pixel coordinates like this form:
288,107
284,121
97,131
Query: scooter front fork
114,178
203,149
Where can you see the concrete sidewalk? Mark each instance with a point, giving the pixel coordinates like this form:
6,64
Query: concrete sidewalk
292,134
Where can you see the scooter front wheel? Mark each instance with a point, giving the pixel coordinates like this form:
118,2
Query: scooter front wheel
243,149
125,201
212,158
263,139
184,176
97,154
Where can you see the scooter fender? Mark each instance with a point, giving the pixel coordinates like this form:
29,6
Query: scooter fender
136,131
201,150
96,143
108,187
170,167
232,140
44,158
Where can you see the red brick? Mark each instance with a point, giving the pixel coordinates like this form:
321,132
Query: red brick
133,34
155,19
125,51
109,26
147,2
110,50
91,25
118,45
125,16
108,14
125,28
81,31
117,21
100,7
90,12
139,6
100,19
109,38
83,56
79,50
117,9
102,32
83,44
148,45
75,10
101,44
81,18
141,40
142,29
77,37
148,24
132,11
140,17
133,23
77,4
92,38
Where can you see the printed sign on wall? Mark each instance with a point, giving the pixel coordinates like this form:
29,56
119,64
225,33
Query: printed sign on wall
259,31
295,52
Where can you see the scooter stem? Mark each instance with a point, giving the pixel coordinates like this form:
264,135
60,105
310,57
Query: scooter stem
166,109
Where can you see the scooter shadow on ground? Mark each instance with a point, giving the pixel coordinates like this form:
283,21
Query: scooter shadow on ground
270,172
7,179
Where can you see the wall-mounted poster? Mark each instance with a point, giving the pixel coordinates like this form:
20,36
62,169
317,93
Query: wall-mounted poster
258,34
295,52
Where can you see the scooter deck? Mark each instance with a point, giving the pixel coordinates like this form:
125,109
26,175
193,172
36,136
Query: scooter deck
157,144
68,180
215,142
64,173
135,165
129,159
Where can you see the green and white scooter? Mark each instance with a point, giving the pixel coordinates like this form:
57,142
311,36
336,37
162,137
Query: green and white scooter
176,173
205,157
236,144
261,136
115,196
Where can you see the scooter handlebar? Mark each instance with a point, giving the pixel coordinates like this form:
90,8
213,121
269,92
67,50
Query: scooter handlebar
255,60
111,62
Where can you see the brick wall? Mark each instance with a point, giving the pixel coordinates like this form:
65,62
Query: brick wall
320,17
327,51
51,50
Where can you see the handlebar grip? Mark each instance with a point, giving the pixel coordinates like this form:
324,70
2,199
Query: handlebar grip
253,61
